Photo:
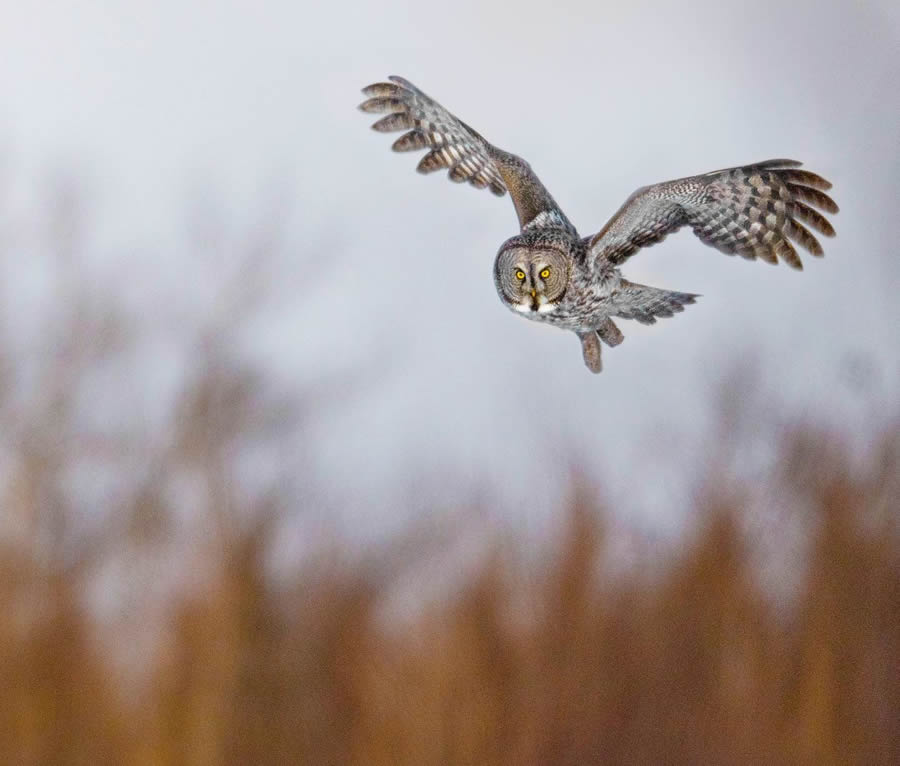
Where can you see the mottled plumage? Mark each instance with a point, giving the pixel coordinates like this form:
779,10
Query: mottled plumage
548,273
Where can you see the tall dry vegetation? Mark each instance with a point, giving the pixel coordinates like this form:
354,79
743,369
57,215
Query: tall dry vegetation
212,654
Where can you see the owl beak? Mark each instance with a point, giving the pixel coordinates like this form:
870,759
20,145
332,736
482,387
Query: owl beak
534,293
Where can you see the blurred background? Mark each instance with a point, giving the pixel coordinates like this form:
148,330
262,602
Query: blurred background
264,501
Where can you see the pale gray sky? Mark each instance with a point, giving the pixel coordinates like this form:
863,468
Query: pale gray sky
150,101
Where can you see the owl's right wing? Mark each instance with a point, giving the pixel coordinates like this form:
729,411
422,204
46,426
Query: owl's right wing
465,152
750,211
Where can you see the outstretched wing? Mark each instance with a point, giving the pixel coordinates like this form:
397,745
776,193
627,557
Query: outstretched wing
462,150
752,211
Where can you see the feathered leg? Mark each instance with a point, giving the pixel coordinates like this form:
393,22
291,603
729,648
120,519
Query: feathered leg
610,334
590,343
590,348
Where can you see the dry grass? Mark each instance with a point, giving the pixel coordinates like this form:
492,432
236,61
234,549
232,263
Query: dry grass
208,657
690,663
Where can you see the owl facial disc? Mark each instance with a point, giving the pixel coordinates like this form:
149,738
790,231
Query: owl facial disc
531,279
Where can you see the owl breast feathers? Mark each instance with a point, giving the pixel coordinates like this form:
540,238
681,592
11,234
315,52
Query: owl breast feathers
548,273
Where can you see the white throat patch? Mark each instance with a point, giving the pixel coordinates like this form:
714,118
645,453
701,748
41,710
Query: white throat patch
525,308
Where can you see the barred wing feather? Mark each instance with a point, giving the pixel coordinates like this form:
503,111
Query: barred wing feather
755,211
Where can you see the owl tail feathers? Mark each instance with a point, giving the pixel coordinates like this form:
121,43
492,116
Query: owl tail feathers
646,304
634,301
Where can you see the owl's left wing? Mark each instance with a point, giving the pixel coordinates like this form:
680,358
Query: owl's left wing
467,155
750,211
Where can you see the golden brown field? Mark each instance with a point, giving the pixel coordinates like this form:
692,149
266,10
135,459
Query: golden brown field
677,657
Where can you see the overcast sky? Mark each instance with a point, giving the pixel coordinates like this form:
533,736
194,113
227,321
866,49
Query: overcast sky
150,101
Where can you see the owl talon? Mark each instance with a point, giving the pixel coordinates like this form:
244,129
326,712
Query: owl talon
610,334
591,350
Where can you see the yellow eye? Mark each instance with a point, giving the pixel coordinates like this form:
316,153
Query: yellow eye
545,273
520,275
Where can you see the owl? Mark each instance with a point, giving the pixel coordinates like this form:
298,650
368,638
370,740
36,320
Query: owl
548,273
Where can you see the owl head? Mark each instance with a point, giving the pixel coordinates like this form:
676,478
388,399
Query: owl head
531,276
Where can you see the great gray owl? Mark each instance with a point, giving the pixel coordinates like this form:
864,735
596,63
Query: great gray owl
549,274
